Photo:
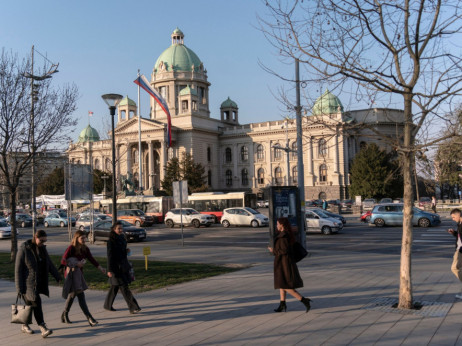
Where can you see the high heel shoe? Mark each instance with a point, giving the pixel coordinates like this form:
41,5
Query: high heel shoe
65,317
307,303
92,321
282,307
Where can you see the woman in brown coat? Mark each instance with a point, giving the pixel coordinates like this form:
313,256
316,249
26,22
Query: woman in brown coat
286,275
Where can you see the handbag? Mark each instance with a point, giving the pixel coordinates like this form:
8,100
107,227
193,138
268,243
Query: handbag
298,252
21,314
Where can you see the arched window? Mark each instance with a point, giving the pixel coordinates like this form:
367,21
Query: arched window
277,152
135,156
228,155
323,172
244,153
245,177
96,164
209,178
322,147
260,152
295,175
229,178
261,176
294,150
362,145
278,176
78,162
108,165
209,154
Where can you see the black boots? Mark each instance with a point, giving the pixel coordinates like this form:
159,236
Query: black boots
306,302
65,317
282,307
92,321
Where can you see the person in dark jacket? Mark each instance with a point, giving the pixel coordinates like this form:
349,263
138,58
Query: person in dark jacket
286,275
74,259
31,277
456,267
118,270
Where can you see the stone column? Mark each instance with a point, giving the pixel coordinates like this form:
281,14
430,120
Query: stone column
251,165
268,159
163,160
236,155
336,153
129,158
150,168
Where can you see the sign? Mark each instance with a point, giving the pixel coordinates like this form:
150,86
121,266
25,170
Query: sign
180,192
146,250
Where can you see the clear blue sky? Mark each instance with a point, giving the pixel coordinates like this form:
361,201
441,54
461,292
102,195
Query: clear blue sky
101,44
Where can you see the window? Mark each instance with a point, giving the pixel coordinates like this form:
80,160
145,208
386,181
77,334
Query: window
278,175
245,177
277,152
96,164
260,152
108,165
228,155
229,178
295,174
163,92
323,173
209,154
244,153
261,176
194,105
294,150
322,147
184,105
209,178
135,156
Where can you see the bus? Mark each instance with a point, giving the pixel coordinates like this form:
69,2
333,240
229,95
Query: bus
156,206
213,203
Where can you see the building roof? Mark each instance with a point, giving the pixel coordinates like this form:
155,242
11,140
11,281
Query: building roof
126,100
88,134
188,91
228,103
327,103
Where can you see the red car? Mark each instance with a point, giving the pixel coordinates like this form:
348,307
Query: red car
365,217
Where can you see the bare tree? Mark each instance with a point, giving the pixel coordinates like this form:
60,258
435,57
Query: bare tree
53,119
386,51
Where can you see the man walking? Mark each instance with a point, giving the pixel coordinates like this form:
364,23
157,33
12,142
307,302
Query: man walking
456,267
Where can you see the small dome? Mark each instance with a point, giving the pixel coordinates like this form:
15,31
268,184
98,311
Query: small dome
188,91
88,134
127,101
177,31
328,103
228,104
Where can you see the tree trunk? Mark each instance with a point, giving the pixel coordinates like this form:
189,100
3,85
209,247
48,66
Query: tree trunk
14,239
407,155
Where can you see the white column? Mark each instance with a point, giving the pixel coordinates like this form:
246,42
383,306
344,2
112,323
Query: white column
269,170
336,167
150,168
251,165
129,158
236,154
163,160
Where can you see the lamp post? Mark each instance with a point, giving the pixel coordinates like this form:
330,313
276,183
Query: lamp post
33,78
112,100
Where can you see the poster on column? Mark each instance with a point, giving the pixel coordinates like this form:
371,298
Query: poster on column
284,202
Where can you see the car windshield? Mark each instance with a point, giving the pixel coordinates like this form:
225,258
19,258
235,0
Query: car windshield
250,210
138,212
191,212
3,224
320,213
64,215
125,223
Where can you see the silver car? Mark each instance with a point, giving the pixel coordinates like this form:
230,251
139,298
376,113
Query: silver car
85,220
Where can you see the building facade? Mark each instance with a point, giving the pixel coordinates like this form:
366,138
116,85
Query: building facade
236,157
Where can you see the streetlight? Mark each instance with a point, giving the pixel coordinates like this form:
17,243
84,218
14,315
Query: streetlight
33,78
112,100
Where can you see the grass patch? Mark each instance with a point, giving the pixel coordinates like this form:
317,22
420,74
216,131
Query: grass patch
159,274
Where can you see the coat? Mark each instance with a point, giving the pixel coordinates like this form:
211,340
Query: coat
74,282
117,261
27,271
286,274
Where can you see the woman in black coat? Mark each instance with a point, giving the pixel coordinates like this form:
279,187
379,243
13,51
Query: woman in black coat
286,275
118,270
31,277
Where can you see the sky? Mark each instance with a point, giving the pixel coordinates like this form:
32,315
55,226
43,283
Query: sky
100,45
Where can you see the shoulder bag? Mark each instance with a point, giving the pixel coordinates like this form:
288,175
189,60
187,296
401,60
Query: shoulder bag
21,314
298,252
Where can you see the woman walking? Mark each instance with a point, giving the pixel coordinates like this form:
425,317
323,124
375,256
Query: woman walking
119,270
31,277
286,275
74,259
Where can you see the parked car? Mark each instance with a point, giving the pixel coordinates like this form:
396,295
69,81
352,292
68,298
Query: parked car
334,202
369,203
22,220
58,219
135,217
425,202
386,200
366,216
102,229
391,214
262,204
347,203
190,217
323,213
5,230
243,217
85,220
323,224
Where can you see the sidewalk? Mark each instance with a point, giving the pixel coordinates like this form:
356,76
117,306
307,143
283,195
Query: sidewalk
237,308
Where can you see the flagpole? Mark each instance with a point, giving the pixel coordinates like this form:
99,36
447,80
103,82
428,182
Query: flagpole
140,162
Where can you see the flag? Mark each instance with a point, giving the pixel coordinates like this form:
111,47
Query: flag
146,86
90,113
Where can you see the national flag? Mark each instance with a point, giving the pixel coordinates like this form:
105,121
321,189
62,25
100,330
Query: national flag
144,84
90,113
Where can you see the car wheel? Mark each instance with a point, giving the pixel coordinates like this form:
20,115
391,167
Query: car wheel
326,230
379,222
196,223
424,222
45,224
169,223
368,218
61,224
226,223
137,224
254,223
23,224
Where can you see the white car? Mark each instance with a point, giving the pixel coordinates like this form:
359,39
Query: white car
190,217
5,230
323,224
243,217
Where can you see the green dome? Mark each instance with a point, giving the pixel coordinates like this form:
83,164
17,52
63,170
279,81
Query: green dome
228,104
127,101
328,103
188,91
177,57
88,134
